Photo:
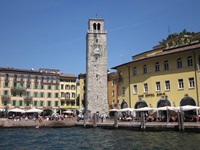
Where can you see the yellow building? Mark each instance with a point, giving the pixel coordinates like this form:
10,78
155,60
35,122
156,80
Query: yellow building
68,97
82,87
112,91
167,75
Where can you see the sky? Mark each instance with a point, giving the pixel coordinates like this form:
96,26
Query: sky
52,33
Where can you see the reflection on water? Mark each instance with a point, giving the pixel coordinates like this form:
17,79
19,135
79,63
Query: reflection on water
94,139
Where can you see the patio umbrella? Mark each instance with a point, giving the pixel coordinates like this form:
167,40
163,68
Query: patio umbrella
188,107
17,110
126,109
113,110
34,110
68,112
166,108
144,109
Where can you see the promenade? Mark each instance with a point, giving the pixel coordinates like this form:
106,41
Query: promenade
10,123
149,126
108,124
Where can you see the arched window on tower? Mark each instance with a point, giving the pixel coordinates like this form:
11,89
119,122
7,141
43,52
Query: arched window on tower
98,26
94,26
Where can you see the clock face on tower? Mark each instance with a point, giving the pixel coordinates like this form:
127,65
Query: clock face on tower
97,50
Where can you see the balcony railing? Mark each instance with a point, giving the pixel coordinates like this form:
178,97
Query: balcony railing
5,97
28,98
20,88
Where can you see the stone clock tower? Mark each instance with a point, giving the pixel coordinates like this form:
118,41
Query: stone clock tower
96,67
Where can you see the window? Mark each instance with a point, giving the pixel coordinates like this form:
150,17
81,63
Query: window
56,103
123,91
15,85
28,86
94,26
67,87
7,77
167,85
36,78
166,65
41,103
42,86
73,95
28,79
5,103
47,79
157,66
179,63
21,85
144,69
35,103
27,103
158,86
14,102
42,79
67,95
113,82
20,103
56,95
6,84
62,94
14,94
191,82
35,94
99,26
41,94
49,87
49,103
6,92
62,86
15,77
28,94
134,71
73,87
113,93
62,103
134,89
49,95
22,78
180,84
189,61
145,87
20,94
57,79
36,86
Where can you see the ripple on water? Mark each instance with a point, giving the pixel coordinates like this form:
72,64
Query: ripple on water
94,139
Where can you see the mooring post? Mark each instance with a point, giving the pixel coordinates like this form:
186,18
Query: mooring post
94,118
179,121
142,126
182,122
116,120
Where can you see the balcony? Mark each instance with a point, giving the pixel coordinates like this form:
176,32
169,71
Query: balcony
20,88
28,98
5,97
69,106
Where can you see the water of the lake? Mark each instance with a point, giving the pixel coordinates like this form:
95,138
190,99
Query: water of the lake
77,138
